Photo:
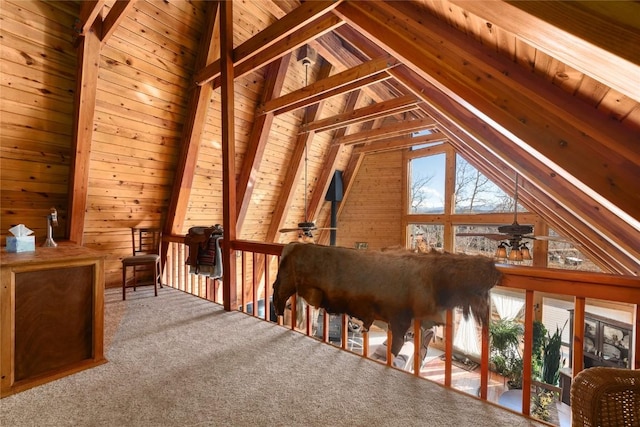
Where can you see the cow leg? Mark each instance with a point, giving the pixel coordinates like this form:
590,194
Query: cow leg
399,327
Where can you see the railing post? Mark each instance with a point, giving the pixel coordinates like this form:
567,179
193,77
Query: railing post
448,348
578,336
417,346
484,361
528,350
636,339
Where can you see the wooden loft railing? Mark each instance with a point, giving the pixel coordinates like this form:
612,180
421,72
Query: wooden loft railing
256,268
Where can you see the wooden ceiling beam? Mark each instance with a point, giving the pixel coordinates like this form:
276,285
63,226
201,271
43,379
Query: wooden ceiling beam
304,14
296,166
333,49
300,38
330,161
400,142
336,46
118,12
589,37
373,111
88,14
91,12
195,121
274,80
400,128
84,113
294,29
540,116
346,81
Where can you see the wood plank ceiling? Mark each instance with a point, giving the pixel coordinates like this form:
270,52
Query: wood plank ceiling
547,89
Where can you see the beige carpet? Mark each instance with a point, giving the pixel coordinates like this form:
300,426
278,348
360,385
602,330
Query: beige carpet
177,360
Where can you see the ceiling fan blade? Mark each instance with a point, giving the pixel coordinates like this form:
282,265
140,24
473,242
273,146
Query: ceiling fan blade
549,238
326,228
288,230
492,236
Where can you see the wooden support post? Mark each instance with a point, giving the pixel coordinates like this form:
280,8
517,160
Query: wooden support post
578,335
484,361
448,348
528,349
229,290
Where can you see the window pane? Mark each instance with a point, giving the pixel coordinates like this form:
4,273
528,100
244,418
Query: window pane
475,245
426,184
426,144
475,193
424,237
566,256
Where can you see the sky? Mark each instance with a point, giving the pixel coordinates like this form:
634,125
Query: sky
428,166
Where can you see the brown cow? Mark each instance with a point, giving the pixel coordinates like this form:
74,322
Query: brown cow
393,286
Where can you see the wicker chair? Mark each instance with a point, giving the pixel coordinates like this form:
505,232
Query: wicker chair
606,397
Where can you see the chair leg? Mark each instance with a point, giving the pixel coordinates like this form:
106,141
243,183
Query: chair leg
124,283
155,280
159,266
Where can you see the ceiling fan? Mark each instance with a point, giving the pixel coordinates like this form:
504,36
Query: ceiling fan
511,235
306,227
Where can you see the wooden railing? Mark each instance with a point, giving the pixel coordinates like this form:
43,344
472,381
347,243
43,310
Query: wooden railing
256,268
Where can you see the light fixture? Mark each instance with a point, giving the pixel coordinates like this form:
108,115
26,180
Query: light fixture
518,252
515,255
501,252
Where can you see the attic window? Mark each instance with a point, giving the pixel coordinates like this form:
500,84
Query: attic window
566,256
426,180
475,193
426,145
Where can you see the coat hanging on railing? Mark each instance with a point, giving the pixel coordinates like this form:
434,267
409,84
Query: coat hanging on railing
205,254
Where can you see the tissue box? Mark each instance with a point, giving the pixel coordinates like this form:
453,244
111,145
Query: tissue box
21,243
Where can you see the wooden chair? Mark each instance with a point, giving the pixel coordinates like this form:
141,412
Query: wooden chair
145,260
603,396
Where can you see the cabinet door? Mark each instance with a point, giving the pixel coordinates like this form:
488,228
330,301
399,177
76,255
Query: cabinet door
591,342
53,319
615,345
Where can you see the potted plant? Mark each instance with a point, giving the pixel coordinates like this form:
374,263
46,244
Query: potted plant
552,357
539,339
505,336
514,373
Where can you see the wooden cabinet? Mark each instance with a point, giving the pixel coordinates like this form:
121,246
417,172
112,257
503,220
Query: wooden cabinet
606,341
51,314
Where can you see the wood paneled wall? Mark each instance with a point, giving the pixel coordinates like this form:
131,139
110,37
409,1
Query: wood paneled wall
373,211
144,81
36,113
144,77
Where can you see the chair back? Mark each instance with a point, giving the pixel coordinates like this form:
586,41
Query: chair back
146,241
604,396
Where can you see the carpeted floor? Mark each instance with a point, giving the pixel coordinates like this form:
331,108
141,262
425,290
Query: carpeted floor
177,360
